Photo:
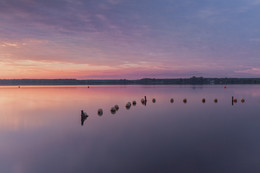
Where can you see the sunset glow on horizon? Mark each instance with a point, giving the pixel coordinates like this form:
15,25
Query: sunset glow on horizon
129,39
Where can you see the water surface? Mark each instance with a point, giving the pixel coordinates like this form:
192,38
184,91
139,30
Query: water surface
41,131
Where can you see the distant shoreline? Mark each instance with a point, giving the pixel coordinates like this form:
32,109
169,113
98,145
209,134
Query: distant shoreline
145,81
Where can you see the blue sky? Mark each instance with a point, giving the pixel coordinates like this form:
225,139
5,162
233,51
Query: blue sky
129,38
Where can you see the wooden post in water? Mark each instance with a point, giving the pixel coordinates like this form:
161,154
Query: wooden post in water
144,101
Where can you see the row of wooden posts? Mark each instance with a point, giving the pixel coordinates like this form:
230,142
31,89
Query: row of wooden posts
128,105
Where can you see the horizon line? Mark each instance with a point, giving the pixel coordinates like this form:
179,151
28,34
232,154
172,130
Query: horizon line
133,79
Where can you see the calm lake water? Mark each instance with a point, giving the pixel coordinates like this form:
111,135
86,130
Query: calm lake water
41,131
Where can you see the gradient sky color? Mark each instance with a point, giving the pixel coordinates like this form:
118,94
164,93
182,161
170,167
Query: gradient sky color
132,39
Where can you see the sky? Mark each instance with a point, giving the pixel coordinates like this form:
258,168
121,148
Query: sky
129,39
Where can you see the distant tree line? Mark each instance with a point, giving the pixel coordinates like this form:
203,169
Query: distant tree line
146,81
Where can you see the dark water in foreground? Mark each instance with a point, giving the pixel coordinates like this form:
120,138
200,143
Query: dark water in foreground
40,129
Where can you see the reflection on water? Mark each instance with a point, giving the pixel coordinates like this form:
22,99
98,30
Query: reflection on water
40,129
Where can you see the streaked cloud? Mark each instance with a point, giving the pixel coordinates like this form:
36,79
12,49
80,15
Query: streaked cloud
250,71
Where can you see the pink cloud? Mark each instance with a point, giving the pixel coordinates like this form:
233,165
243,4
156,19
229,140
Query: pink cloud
253,71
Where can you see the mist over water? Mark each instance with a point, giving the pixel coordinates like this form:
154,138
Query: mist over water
41,130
